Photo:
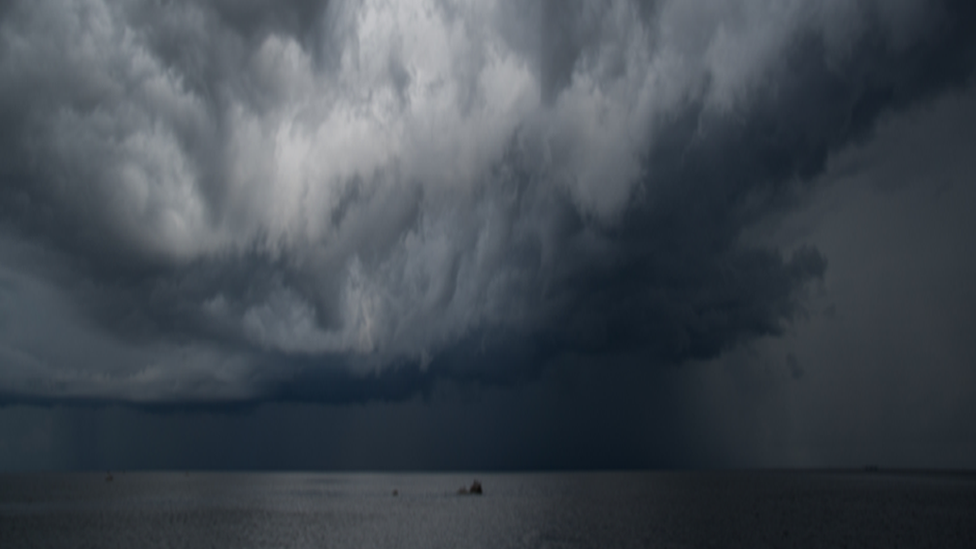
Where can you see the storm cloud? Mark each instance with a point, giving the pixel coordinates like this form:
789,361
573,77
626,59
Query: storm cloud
225,202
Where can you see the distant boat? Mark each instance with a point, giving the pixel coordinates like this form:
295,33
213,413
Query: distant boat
475,489
109,477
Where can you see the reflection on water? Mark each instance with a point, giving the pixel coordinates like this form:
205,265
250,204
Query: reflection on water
643,509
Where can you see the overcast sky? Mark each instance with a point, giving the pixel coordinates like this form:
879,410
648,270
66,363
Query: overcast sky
487,234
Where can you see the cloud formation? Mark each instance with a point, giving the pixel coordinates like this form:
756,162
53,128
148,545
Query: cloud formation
346,200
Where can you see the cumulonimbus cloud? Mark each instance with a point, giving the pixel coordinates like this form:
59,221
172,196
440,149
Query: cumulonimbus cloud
463,186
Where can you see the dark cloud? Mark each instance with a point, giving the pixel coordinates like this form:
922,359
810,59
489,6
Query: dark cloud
886,363
316,201
796,371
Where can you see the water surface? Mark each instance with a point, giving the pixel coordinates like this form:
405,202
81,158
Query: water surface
621,509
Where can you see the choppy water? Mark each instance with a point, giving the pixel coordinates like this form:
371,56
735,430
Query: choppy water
643,509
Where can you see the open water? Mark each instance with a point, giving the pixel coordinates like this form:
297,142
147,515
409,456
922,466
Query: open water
625,509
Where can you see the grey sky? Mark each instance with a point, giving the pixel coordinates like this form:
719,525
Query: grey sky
623,233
